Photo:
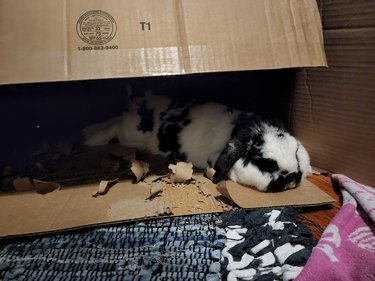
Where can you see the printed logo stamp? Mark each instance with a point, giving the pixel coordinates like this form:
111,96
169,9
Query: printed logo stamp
96,27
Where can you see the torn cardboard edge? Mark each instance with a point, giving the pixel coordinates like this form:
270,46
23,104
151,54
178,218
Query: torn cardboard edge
209,173
104,186
156,189
181,172
28,184
139,169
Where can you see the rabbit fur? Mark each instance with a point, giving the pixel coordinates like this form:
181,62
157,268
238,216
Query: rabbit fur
239,145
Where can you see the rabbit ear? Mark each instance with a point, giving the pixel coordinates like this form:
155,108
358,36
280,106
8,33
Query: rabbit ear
226,160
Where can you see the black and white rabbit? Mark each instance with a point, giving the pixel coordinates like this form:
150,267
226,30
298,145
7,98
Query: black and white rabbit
238,145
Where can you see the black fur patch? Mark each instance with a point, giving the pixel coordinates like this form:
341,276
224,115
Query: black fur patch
282,181
265,164
226,160
254,153
173,120
147,118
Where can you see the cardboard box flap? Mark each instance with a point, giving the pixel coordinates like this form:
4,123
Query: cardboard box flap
71,40
307,194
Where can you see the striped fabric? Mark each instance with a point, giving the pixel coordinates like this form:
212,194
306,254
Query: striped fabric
262,245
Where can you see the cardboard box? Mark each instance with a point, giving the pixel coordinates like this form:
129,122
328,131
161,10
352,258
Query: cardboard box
80,40
333,110
74,40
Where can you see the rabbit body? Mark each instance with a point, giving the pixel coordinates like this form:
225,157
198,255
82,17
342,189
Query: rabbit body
238,145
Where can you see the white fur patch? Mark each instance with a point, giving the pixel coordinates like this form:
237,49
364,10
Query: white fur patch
281,149
130,136
207,134
304,161
249,175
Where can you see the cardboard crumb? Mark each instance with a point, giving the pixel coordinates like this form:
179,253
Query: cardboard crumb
163,208
155,190
139,169
41,187
154,178
209,173
215,202
181,172
104,186
203,189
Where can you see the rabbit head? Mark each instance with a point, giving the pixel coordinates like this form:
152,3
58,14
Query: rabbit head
265,157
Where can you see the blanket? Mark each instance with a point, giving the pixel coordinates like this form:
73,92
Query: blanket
346,250
264,244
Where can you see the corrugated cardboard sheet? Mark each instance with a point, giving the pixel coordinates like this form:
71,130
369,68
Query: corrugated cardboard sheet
43,40
28,213
75,199
334,108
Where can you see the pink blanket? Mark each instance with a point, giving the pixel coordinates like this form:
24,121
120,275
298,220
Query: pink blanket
346,250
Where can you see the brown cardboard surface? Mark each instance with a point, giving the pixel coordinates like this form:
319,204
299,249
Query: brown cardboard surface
307,194
333,111
26,213
338,14
29,212
45,40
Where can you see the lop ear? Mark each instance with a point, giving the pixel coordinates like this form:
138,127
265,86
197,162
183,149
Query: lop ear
226,160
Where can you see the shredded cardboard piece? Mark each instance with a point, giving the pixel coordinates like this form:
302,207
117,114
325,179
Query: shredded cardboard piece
155,190
140,169
104,186
203,189
41,187
209,173
181,172
44,187
208,193
156,178
196,196
163,210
